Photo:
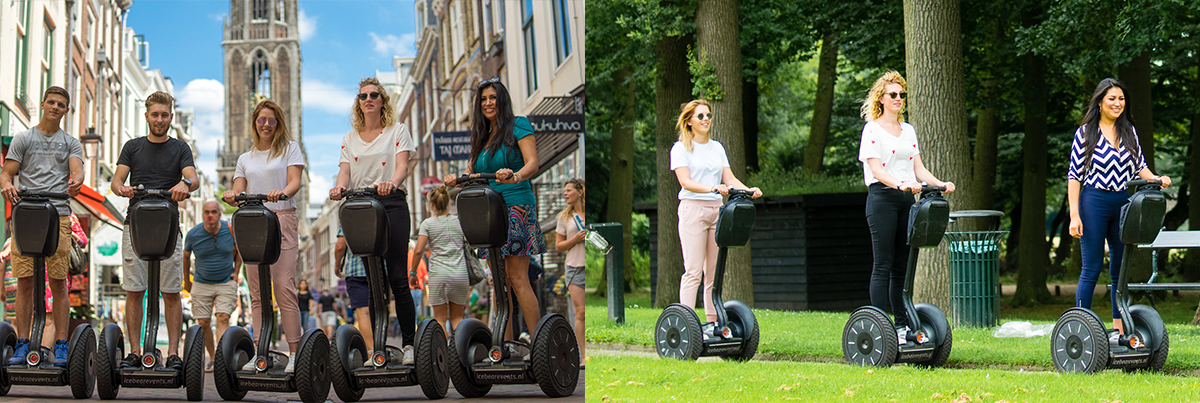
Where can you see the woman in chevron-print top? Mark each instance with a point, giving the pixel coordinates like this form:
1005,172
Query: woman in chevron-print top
1104,156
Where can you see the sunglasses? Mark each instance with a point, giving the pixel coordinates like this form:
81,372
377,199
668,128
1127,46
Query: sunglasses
895,95
702,116
269,122
363,96
488,81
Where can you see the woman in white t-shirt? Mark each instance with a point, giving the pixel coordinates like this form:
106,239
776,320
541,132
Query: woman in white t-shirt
703,171
375,154
891,169
569,237
273,166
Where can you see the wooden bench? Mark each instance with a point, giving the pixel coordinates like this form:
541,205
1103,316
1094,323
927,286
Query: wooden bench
1166,240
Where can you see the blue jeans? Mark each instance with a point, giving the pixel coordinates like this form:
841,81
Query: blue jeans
304,320
1100,213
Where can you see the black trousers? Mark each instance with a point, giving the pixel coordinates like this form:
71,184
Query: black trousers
887,217
396,265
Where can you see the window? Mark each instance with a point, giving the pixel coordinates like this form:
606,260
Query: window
281,12
530,51
562,30
262,75
487,21
91,28
261,9
22,52
47,56
456,29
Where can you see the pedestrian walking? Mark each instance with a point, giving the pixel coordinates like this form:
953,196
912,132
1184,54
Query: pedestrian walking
215,284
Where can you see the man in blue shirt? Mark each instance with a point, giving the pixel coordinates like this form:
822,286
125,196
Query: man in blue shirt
217,263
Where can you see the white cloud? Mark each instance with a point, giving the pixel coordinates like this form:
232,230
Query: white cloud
205,97
318,188
326,97
308,26
203,94
389,45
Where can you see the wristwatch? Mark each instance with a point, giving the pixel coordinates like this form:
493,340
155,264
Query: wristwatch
187,182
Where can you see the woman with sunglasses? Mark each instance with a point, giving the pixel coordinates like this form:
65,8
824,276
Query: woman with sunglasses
1104,156
273,166
375,154
703,171
503,143
893,171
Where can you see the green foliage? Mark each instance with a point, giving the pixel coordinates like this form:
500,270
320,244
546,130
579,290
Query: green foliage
704,76
775,181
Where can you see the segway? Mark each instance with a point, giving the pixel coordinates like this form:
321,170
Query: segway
480,357
679,334
35,234
256,232
1080,342
154,223
366,224
869,338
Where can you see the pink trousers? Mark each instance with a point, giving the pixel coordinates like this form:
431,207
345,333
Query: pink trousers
283,280
697,237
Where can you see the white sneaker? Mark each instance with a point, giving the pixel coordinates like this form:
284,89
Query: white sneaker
708,328
408,355
291,365
250,365
524,338
370,353
902,335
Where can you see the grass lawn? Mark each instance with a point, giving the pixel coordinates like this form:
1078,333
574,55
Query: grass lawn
626,378
816,336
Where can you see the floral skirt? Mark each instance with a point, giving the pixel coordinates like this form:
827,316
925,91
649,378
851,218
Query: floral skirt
524,235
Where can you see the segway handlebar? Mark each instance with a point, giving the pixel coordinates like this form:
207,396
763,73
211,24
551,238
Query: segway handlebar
364,191
1137,183
740,193
256,197
464,178
142,191
39,194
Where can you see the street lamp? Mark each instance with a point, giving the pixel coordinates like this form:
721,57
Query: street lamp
91,143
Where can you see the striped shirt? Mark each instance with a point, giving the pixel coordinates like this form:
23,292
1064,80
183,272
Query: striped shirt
1111,167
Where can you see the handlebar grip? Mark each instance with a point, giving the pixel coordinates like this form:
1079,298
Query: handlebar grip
931,188
1142,182
48,195
369,190
467,177
740,192
161,192
256,197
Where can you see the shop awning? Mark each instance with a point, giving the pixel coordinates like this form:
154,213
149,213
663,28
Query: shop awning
99,206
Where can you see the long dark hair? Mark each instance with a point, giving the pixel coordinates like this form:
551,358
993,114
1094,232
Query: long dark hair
481,127
1091,125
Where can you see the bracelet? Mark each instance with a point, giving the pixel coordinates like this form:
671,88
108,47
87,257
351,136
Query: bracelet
518,176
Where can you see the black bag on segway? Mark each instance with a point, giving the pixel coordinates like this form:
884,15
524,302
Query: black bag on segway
365,225
38,225
256,245
488,226
927,219
1142,216
154,223
735,222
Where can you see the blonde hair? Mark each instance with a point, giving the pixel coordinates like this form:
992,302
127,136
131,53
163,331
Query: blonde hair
282,139
570,210
871,108
439,199
685,114
386,116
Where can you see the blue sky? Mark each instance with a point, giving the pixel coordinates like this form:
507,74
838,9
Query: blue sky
341,42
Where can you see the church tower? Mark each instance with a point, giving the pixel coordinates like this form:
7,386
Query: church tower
262,61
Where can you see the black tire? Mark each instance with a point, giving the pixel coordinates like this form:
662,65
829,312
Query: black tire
432,359
343,344
193,363
1079,342
81,372
931,321
1159,357
869,339
312,368
555,356
1147,322
8,342
741,317
109,352
677,334
224,378
469,331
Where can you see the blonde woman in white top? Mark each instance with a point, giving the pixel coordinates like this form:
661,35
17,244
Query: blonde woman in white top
893,171
375,154
273,167
569,238
703,171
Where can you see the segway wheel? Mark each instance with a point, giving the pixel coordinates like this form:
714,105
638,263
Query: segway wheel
1079,342
677,334
109,352
934,322
346,341
742,324
312,368
80,362
8,342
225,362
193,363
869,339
1146,321
431,360
469,331
555,356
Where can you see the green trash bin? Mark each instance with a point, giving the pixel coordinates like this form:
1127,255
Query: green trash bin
974,276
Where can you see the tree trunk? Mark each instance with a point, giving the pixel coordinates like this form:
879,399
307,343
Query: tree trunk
1031,273
1136,76
987,125
814,153
1191,266
937,109
717,38
672,87
750,122
620,170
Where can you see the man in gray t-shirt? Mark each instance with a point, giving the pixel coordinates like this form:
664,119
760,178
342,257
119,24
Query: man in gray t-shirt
44,158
